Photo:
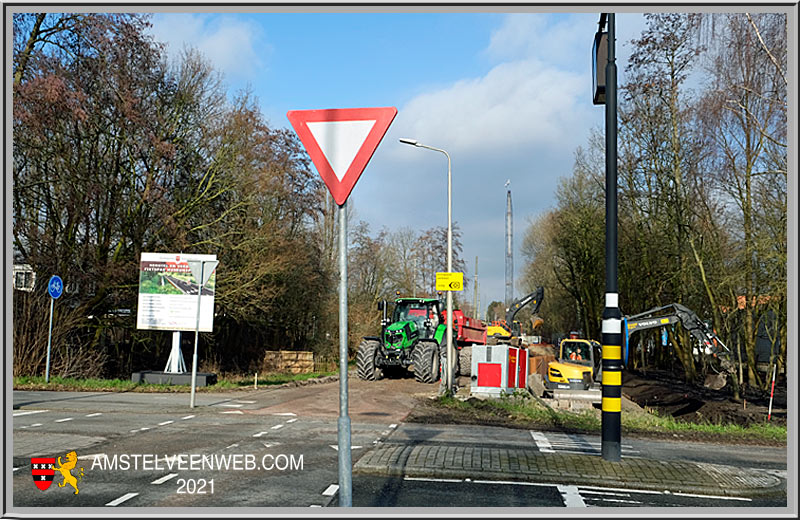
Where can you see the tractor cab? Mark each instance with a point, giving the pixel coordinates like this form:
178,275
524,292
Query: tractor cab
414,318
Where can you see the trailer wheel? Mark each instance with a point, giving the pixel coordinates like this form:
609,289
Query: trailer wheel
465,361
367,368
426,361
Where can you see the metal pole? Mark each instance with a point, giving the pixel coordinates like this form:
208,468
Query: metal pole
612,323
345,463
196,334
449,270
49,341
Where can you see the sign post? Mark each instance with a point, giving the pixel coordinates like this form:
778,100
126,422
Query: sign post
201,269
341,142
54,287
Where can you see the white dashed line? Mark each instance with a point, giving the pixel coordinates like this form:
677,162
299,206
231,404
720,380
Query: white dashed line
259,434
28,412
15,469
36,424
392,425
542,443
94,414
571,496
270,444
246,402
330,490
290,421
511,483
122,499
234,445
165,423
277,427
164,478
314,505
231,405
234,411
712,496
187,417
286,413
425,479
64,420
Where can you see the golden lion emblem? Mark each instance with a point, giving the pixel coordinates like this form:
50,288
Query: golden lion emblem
66,469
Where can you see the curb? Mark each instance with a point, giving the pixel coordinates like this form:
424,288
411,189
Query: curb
526,465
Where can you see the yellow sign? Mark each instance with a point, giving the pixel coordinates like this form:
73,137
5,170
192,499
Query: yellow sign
449,281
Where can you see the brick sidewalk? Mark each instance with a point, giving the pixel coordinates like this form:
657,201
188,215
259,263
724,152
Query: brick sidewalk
452,461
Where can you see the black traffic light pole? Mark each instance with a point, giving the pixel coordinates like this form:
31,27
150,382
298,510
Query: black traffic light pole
612,322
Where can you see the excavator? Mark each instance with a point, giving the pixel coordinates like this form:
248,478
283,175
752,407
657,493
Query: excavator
710,345
576,373
508,329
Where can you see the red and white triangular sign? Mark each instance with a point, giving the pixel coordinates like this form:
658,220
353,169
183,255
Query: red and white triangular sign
341,141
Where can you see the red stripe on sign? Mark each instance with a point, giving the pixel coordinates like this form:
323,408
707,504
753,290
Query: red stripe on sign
43,461
43,472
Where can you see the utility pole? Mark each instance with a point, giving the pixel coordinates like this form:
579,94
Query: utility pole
509,249
475,283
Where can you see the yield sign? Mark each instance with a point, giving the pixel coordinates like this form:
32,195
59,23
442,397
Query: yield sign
341,141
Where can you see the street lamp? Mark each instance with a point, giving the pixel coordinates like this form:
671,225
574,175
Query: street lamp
448,372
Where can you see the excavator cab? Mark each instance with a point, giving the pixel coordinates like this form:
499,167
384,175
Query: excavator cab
577,366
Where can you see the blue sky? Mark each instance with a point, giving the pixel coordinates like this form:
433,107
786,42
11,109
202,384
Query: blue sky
507,95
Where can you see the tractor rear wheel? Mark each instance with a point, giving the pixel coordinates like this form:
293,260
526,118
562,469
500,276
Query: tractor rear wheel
367,369
465,361
426,361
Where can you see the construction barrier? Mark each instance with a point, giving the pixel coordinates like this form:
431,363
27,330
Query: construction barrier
498,369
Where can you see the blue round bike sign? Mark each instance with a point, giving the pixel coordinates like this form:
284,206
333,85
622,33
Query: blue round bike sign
55,286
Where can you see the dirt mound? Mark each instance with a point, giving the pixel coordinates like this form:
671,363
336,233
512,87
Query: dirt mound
670,395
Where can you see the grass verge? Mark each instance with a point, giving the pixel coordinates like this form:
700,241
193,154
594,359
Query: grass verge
120,385
522,411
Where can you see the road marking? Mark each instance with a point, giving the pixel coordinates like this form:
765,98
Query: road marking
618,500
164,478
277,426
35,425
431,479
234,445
586,492
28,412
187,417
94,414
286,413
231,405
335,447
233,411
290,421
712,496
571,496
90,456
330,490
625,490
15,469
245,402
392,425
314,505
64,420
541,442
511,482
259,434
140,429
271,444
122,499
165,423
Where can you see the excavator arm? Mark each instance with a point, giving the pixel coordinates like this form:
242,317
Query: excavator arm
710,343
534,298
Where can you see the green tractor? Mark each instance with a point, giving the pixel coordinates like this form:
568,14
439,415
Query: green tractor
411,337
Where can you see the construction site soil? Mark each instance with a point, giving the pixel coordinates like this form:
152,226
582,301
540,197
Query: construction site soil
643,393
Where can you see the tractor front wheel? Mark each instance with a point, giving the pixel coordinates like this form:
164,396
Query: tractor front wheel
426,361
367,369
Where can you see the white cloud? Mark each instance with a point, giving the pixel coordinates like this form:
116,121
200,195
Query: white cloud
234,46
522,103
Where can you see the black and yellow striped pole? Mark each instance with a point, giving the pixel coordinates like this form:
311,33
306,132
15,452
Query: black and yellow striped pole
612,322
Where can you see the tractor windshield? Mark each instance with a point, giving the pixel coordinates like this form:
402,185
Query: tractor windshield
422,313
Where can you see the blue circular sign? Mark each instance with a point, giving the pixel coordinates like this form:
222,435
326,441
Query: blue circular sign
55,286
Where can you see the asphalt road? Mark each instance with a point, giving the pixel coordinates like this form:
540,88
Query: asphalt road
280,446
